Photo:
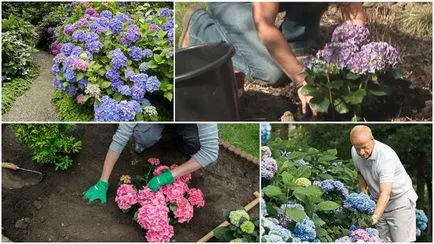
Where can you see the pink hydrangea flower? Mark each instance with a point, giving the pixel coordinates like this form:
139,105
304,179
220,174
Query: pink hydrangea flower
173,166
153,214
359,234
159,170
55,48
79,64
126,196
160,236
80,101
196,197
175,191
144,194
154,161
184,211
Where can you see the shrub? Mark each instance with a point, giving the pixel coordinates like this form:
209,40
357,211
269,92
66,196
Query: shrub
17,87
28,11
68,109
49,143
46,27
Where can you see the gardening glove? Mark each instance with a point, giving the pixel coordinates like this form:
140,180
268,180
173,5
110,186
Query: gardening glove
161,180
97,191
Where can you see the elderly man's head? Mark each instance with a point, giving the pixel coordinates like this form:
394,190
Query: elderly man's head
363,141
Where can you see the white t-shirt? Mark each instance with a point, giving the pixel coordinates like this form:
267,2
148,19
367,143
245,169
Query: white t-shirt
384,166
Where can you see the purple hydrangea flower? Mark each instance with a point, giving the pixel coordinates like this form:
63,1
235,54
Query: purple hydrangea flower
76,51
69,29
116,84
90,37
69,75
339,53
268,168
331,185
124,90
165,12
98,28
78,35
94,46
131,35
72,91
170,35
106,14
107,110
168,26
374,57
113,75
154,27
55,68
138,91
83,83
139,78
143,68
354,34
57,84
118,59
67,48
136,53
129,74
152,84
116,26
90,11
128,110
122,18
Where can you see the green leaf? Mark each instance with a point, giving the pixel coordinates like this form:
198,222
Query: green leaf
105,84
168,96
355,97
85,98
310,90
101,72
378,92
223,234
320,104
340,106
326,158
317,220
352,76
272,191
335,84
332,152
295,214
328,206
80,76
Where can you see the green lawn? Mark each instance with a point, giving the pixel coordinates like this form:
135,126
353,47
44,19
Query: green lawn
244,136
180,10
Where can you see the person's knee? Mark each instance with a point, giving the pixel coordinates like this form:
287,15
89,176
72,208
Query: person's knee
189,144
270,74
147,135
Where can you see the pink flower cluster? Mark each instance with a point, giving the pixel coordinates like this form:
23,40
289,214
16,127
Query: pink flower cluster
154,214
55,48
79,64
126,196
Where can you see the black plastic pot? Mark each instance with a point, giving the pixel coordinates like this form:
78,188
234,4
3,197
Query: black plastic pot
205,85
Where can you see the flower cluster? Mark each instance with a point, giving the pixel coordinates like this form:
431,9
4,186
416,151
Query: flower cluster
421,221
268,164
332,185
361,235
276,232
352,50
153,213
235,216
305,230
359,202
303,182
103,50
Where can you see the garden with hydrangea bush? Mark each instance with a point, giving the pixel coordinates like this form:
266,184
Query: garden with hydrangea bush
112,61
70,158
312,195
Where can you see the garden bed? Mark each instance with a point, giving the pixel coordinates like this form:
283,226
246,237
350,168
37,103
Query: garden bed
55,210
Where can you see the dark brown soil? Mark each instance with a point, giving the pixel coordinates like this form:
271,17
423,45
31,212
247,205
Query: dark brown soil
56,211
412,99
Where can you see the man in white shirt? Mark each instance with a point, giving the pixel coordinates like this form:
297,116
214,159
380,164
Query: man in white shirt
382,174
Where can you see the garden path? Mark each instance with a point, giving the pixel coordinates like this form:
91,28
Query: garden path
35,104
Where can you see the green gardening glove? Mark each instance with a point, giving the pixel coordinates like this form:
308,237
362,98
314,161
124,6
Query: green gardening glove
97,191
160,180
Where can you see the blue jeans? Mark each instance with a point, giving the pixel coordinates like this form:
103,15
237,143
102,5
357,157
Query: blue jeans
233,23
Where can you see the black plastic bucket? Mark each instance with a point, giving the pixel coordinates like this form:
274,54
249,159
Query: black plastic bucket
205,85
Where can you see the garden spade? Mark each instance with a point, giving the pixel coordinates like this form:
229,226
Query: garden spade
14,181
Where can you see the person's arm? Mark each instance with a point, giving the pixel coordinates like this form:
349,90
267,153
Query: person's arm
383,200
363,186
264,16
353,13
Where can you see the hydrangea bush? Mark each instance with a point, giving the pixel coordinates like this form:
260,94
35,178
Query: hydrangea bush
350,71
115,62
156,212
242,228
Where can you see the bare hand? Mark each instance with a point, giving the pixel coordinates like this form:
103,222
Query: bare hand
304,102
374,219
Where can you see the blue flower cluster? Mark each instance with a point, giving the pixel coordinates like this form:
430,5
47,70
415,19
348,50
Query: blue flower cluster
331,185
276,232
359,202
421,221
265,133
305,230
110,110
355,34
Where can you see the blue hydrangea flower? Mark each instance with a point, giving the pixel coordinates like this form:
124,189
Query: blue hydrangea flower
265,132
106,14
273,239
82,84
136,53
138,91
79,35
148,53
57,84
107,110
67,48
168,26
129,74
152,84
69,75
305,230
55,68
124,90
128,110
372,232
118,59
345,239
421,220
331,185
143,67
170,35
91,37
76,51
139,78
113,75
165,12
284,219
280,231
131,35
263,207
72,91
116,26
359,202
122,18
94,46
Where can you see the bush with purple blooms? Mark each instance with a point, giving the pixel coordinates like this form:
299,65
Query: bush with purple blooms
350,72
117,60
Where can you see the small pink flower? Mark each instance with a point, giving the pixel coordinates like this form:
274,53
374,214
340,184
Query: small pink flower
184,211
185,178
154,161
359,234
80,101
173,166
79,64
160,236
126,196
174,192
160,170
153,214
195,197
